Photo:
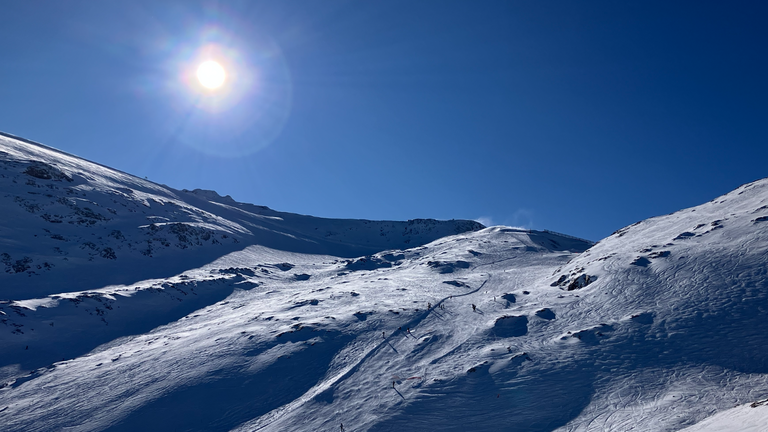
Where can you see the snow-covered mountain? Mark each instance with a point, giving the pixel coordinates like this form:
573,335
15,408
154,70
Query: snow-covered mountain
248,319
70,225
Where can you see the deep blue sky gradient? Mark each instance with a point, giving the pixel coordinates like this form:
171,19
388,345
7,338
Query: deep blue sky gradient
579,117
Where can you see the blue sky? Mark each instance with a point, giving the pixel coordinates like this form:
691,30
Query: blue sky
579,117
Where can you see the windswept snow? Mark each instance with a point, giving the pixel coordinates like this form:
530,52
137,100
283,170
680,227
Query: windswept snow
306,324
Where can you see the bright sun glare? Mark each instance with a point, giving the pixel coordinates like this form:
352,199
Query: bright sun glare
211,74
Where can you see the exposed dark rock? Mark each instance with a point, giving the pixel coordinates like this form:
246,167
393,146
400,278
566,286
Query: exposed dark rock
685,235
659,254
511,326
546,314
108,253
641,262
43,171
448,266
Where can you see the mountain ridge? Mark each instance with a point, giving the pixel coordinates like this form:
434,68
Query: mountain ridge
94,214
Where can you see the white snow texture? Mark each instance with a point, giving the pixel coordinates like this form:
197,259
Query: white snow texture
126,305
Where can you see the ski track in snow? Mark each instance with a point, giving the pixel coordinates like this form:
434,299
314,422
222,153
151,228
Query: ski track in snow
284,325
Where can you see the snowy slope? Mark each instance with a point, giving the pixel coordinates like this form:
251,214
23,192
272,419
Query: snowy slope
751,417
655,328
685,296
304,330
70,225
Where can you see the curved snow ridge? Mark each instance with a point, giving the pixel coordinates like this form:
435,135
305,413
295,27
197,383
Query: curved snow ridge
730,222
70,324
38,332
66,217
21,150
693,283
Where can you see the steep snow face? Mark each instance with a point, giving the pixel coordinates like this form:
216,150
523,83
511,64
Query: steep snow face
70,225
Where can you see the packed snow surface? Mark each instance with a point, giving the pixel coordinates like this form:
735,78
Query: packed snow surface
308,324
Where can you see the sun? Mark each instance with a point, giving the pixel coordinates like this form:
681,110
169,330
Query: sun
211,74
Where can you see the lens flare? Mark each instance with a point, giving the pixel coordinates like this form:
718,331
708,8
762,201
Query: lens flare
230,97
